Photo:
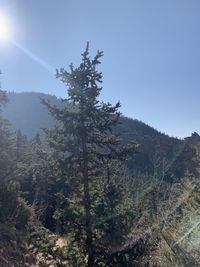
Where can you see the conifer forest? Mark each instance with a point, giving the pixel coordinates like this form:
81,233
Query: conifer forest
82,183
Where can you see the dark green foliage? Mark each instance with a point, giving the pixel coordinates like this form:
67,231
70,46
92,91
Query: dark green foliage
38,174
8,183
184,162
12,208
154,148
84,145
14,212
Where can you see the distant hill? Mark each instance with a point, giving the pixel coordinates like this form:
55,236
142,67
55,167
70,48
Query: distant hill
25,112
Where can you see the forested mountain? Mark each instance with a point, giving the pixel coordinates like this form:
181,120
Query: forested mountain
161,182
26,112
93,188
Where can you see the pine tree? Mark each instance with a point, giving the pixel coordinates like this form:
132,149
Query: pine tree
7,185
84,143
13,209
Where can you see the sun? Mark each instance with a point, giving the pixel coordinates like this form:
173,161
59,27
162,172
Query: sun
5,27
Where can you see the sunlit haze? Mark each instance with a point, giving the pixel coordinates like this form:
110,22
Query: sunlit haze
5,27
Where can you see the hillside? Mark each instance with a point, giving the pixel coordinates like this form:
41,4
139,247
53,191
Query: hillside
161,181
167,229
25,112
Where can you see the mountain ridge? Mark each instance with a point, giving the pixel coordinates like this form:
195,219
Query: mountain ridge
29,99
25,112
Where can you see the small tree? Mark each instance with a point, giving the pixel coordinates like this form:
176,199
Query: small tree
84,145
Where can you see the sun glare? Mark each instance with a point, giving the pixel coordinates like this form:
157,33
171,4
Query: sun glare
5,28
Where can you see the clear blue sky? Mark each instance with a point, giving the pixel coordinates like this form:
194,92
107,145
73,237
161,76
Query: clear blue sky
151,47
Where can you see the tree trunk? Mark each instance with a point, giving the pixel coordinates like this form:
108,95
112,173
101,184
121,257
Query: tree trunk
87,203
87,206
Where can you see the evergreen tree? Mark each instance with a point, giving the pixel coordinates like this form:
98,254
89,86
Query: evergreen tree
84,144
12,208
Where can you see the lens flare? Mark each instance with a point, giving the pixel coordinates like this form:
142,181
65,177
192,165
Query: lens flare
34,57
6,36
